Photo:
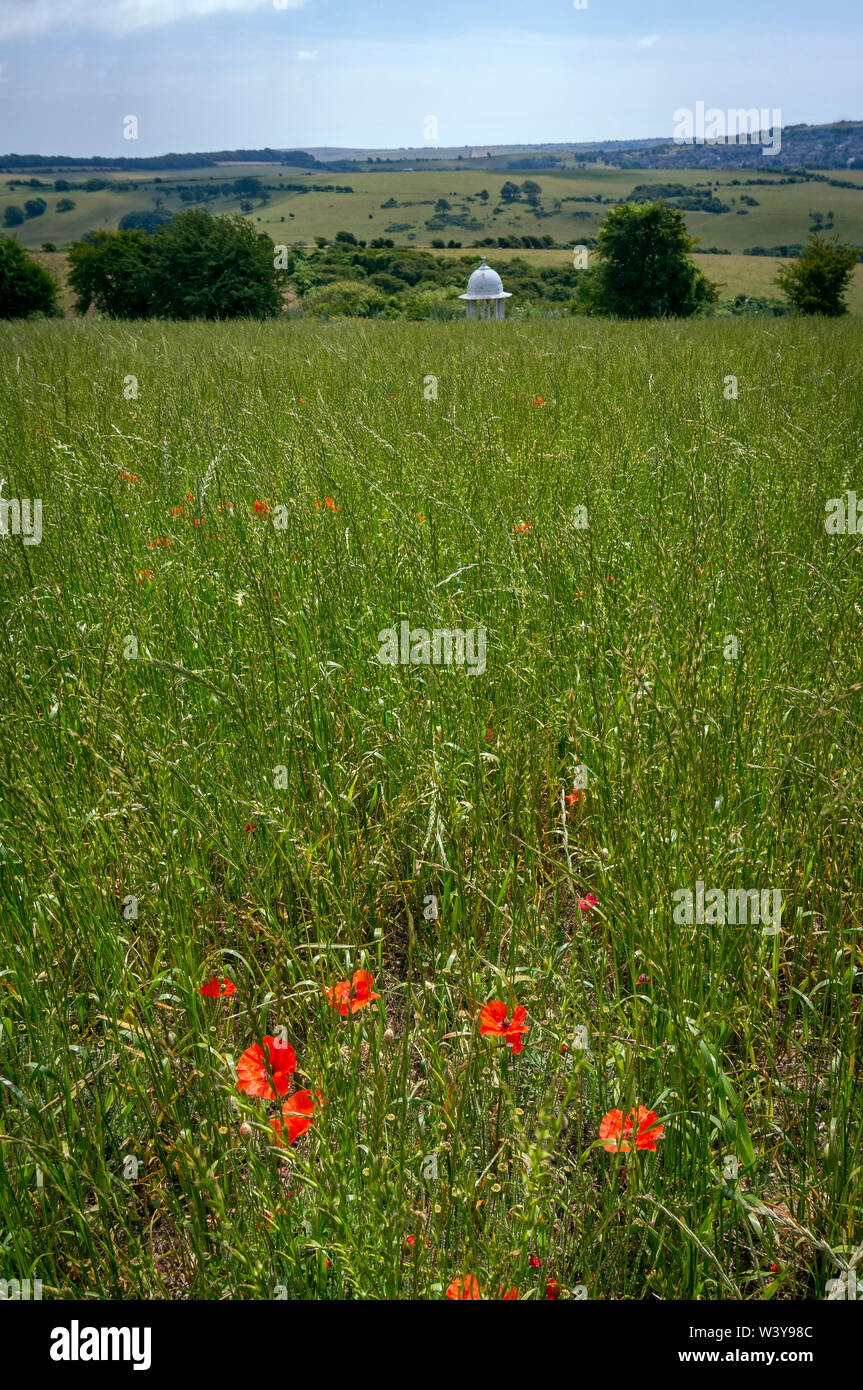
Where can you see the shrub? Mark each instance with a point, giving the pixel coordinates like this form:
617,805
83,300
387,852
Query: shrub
646,270
816,283
25,287
346,299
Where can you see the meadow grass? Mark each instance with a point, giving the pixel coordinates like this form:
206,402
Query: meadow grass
279,808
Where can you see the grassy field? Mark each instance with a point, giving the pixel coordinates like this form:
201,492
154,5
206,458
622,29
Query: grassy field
207,771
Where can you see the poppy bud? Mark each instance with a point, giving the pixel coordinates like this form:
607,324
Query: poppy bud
389,1037
245,1130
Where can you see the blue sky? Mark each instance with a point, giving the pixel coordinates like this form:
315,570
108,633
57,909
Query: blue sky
212,74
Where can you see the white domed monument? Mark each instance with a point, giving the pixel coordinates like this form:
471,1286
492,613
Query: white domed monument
485,297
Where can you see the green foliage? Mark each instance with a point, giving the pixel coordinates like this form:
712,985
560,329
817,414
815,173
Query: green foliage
65,205
346,299
198,266
12,215
110,272
25,287
35,207
646,270
145,221
818,281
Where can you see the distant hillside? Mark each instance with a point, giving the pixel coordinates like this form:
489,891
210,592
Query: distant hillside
298,159
835,146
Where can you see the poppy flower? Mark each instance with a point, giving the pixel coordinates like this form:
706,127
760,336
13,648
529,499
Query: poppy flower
493,1023
552,1290
216,987
468,1287
350,995
587,903
572,797
614,1131
262,508
509,1294
330,504
539,400
259,1062
533,1261
296,1114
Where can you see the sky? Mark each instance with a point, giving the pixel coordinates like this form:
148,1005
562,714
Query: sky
227,74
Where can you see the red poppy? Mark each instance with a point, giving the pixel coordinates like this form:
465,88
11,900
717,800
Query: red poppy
533,1261
552,1290
350,995
296,1114
330,504
468,1287
216,987
573,797
614,1131
493,1023
539,400
587,903
259,1062
509,1294
262,508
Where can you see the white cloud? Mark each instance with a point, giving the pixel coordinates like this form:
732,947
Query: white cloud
305,55
38,17
649,41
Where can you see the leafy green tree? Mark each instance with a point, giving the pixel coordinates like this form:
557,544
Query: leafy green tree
34,207
509,193
645,266
213,268
65,204
110,270
145,221
12,216
531,192
816,283
25,287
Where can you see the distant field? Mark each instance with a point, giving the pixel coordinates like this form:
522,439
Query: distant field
781,217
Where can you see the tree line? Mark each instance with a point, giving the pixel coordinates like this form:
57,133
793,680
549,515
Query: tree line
219,267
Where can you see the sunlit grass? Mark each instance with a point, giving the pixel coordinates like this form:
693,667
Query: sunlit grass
158,777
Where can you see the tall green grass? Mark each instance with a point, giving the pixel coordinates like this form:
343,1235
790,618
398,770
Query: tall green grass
136,778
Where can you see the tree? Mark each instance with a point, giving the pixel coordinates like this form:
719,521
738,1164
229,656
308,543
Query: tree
531,192
816,283
248,184
65,204
109,270
509,192
213,268
645,269
34,207
145,221
25,287
12,216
